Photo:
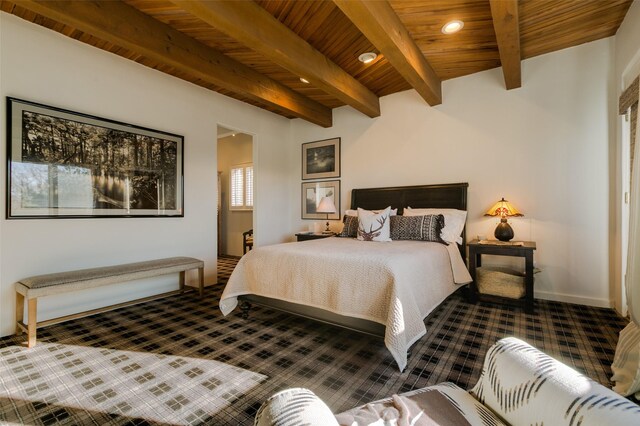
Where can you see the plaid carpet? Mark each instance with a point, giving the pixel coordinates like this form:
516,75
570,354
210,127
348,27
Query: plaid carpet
178,361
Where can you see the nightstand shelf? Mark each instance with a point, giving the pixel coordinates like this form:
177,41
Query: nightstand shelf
305,236
522,249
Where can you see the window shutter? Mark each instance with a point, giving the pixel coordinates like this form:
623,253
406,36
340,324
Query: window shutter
249,186
241,187
237,187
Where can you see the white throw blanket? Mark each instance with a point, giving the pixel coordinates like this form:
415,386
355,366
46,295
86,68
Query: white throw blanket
396,283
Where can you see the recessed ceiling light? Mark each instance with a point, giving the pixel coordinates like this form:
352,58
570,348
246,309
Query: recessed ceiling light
304,80
452,26
367,57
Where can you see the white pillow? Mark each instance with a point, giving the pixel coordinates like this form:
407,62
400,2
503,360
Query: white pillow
454,221
355,212
374,227
297,406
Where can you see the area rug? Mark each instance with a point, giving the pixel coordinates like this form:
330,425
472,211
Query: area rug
99,386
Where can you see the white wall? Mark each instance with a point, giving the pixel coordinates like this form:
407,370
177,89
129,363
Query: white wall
627,68
43,66
232,151
543,147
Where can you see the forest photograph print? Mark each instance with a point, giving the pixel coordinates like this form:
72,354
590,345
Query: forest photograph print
67,164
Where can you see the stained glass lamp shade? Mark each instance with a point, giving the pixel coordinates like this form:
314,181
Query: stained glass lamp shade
504,209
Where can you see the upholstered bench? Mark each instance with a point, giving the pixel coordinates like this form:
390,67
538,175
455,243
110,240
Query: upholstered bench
519,385
63,282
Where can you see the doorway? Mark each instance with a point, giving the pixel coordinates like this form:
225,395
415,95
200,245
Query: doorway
235,190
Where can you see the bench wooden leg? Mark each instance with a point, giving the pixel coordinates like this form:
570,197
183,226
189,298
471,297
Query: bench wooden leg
32,324
19,311
201,281
182,279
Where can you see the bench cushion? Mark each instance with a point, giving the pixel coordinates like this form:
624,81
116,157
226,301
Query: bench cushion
42,285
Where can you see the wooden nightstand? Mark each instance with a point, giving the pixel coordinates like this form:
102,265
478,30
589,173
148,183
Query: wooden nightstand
305,236
476,250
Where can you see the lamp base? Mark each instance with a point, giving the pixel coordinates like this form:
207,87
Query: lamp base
503,232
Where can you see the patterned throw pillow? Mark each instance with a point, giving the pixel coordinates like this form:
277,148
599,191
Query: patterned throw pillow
525,386
454,221
350,228
372,226
421,228
296,406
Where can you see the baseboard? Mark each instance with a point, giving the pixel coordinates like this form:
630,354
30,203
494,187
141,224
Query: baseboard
579,300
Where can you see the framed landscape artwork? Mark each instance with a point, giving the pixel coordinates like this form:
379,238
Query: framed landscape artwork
313,192
65,164
321,159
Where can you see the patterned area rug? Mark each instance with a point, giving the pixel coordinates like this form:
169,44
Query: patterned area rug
179,361
108,385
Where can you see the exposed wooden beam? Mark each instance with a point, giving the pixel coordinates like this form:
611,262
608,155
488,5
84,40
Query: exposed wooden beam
125,26
507,26
382,26
251,25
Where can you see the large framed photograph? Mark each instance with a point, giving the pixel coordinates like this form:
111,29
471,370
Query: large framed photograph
321,159
313,192
64,164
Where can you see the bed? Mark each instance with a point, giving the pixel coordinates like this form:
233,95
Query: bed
380,288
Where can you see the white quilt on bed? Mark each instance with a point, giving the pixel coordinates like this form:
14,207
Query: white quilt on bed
395,283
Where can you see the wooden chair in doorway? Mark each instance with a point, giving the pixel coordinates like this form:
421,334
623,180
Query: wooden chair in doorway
247,241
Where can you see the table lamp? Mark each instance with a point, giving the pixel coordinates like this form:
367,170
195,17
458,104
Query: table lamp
504,209
326,206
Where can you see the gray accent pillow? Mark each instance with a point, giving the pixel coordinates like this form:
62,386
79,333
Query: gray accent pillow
420,228
350,229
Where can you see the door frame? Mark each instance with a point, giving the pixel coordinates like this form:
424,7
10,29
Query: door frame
256,171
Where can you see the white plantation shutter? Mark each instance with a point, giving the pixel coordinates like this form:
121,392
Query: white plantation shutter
249,186
237,187
241,187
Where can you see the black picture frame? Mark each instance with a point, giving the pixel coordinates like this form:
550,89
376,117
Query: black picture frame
321,159
312,193
66,164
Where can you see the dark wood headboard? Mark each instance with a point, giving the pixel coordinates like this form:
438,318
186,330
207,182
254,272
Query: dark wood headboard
449,196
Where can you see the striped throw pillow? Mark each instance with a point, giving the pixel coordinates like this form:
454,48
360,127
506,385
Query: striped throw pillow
292,407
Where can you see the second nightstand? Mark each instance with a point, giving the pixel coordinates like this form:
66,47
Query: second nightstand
304,236
525,250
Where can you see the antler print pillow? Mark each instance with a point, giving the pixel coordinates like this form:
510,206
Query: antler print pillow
374,226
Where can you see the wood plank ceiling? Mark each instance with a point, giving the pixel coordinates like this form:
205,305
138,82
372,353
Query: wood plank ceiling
256,52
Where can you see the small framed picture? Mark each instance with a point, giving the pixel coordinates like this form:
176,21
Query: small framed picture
313,192
321,159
